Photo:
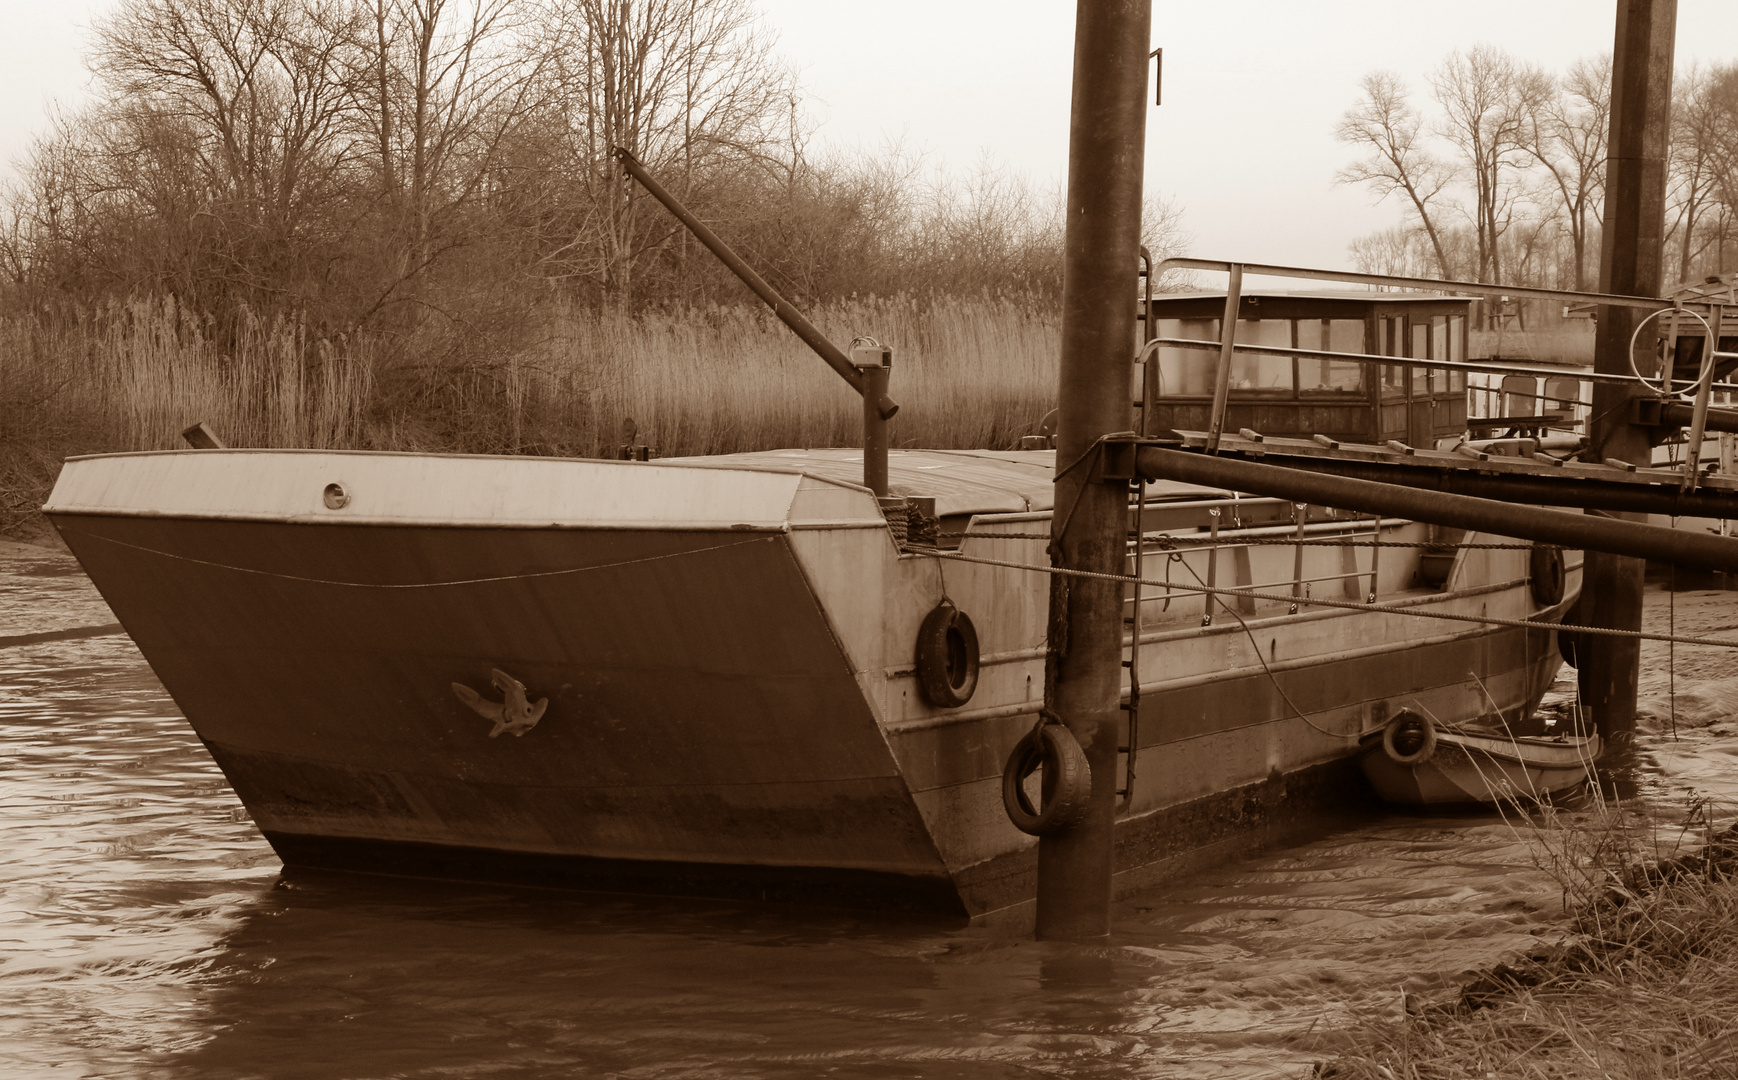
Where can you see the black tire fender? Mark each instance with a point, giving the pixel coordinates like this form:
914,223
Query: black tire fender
1545,569
1404,727
947,657
1067,786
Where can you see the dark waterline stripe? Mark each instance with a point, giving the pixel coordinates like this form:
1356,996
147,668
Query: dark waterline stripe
62,635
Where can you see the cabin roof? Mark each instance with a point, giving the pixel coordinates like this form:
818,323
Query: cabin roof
961,481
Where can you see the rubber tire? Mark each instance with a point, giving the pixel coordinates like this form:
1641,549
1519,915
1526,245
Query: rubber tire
1545,569
947,677
1067,782
1417,757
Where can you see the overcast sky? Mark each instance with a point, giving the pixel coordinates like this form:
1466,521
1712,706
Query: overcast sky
1243,142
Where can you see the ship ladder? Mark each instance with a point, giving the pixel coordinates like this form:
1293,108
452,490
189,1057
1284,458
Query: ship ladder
1131,746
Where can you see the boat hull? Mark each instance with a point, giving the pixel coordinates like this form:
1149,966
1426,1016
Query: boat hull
727,657
1468,769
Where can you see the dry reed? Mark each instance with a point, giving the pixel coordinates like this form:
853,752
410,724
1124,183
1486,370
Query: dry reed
1644,985
968,373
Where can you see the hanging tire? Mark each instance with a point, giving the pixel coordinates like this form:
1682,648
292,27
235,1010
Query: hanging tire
947,657
1067,784
1545,568
1409,739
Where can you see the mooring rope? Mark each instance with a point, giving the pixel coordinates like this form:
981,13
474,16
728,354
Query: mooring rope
1162,541
1349,605
425,584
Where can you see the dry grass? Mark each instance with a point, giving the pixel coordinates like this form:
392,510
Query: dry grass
1645,984
968,373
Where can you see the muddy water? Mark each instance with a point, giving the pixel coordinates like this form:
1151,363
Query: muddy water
147,931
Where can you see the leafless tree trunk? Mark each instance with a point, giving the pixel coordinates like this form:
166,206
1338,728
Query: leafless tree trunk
247,101
1385,123
1488,98
688,86
1566,134
448,85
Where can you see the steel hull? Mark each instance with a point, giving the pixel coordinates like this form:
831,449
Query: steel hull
732,707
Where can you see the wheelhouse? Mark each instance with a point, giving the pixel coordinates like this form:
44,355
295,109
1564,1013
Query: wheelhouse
1284,394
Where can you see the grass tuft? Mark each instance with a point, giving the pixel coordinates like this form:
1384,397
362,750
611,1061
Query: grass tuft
1644,984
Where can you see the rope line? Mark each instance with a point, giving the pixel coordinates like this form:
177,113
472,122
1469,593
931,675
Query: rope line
1255,647
1164,541
426,584
1349,605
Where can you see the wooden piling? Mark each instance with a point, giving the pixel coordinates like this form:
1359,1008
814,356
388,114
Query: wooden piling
1631,258
1106,154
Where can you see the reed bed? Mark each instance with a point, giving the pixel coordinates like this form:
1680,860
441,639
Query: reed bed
1643,986
968,372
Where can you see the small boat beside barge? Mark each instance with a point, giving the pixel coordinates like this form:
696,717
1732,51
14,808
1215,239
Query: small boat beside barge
1413,761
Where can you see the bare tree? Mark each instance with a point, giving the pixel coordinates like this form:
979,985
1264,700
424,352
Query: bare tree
689,86
1386,124
442,90
1402,251
1566,134
247,97
1488,100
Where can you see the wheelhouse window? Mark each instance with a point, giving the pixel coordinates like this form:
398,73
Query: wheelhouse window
1319,376
1519,395
1393,344
1187,372
1562,396
1252,371
1457,352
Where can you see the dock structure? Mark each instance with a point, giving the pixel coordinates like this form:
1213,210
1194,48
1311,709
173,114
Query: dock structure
1504,488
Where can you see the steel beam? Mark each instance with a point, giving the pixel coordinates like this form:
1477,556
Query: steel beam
1106,154
787,313
1631,258
1677,414
1579,492
1684,547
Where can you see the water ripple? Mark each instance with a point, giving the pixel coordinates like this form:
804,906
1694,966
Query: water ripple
146,931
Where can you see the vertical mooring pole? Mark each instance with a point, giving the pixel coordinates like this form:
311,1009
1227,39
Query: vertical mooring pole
875,380
1106,154
1631,258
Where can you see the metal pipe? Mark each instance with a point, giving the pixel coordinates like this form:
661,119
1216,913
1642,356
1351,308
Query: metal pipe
1586,532
1555,490
781,307
1437,285
1106,153
1549,371
1297,579
1699,413
1222,377
1678,414
875,378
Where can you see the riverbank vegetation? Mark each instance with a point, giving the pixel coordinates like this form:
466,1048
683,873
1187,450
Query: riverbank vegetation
383,224
1640,978
1644,985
